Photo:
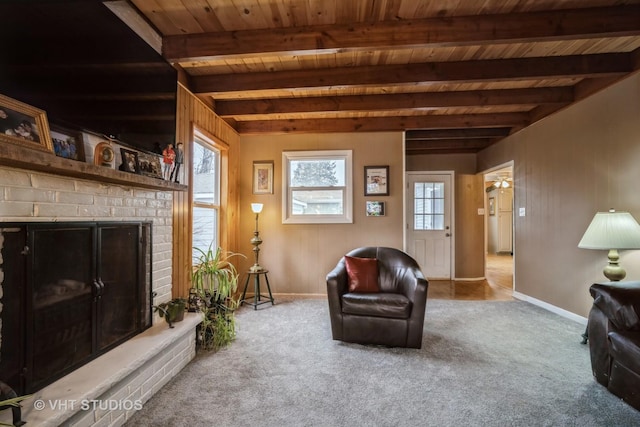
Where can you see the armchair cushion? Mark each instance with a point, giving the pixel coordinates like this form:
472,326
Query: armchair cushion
395,306
362,274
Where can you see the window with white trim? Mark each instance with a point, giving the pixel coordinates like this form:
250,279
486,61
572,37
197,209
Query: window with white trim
206,195
317,187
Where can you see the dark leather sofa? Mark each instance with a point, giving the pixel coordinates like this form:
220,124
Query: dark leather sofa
614,338
393,317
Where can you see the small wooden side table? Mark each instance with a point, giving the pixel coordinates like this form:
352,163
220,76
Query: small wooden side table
256,289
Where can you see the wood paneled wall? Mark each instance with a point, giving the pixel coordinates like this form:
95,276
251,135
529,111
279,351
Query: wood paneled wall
299,256
193,113
567,167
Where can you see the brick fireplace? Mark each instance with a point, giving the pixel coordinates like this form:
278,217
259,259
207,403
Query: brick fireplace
111,387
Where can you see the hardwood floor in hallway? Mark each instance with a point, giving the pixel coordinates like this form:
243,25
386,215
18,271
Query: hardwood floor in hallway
500,270
497,286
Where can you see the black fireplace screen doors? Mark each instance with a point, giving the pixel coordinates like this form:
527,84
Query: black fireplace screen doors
86,288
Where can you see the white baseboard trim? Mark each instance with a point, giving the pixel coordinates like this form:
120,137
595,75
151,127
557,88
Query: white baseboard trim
300,296
551,308
283,295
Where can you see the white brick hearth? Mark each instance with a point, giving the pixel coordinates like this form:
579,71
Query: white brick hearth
132,372
109,389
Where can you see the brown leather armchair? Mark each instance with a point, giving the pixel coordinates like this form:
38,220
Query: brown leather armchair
614,338
394,316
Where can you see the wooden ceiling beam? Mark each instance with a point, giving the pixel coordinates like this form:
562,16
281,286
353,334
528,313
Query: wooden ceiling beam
446,31
375,124
440,144
443,151
583,66
424,100
441,134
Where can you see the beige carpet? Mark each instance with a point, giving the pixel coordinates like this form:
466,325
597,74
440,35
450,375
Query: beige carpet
483,363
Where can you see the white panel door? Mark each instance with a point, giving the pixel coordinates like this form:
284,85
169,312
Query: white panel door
429,223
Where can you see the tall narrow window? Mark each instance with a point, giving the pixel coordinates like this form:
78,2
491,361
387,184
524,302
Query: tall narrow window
317,187
206,195
429,205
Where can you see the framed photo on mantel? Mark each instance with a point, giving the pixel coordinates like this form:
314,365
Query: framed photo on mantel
376,180
22,124
67,143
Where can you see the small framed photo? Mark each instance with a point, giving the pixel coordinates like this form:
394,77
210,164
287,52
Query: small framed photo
67,143
492,206
375,208
263,177
23,124
376,180
130,161
150,164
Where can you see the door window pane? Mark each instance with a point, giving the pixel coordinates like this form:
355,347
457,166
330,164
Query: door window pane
428,206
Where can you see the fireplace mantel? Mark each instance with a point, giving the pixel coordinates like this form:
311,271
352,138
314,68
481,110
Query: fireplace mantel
26,158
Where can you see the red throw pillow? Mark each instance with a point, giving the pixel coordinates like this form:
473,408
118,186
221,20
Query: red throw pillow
363,274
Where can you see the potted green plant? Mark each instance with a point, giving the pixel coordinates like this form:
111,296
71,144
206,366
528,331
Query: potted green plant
172,311
10,400
14,404
214,283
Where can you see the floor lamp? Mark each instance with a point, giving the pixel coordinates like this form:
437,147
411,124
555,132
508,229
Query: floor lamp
256,241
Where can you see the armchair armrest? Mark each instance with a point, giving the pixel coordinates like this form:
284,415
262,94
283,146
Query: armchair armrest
616,306
416,291
336,287
619,302
337,279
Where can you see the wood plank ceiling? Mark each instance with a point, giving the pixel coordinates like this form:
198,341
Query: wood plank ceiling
457,75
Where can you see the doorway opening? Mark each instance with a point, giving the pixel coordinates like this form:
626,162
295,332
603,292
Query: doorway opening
499,230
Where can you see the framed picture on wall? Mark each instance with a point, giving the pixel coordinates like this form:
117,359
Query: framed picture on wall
24,125
376,180
263,177
375,208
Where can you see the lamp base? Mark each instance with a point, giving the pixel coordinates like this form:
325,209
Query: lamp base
613,271
256,269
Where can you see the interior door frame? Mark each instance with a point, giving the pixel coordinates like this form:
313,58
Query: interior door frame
509,164
452,210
